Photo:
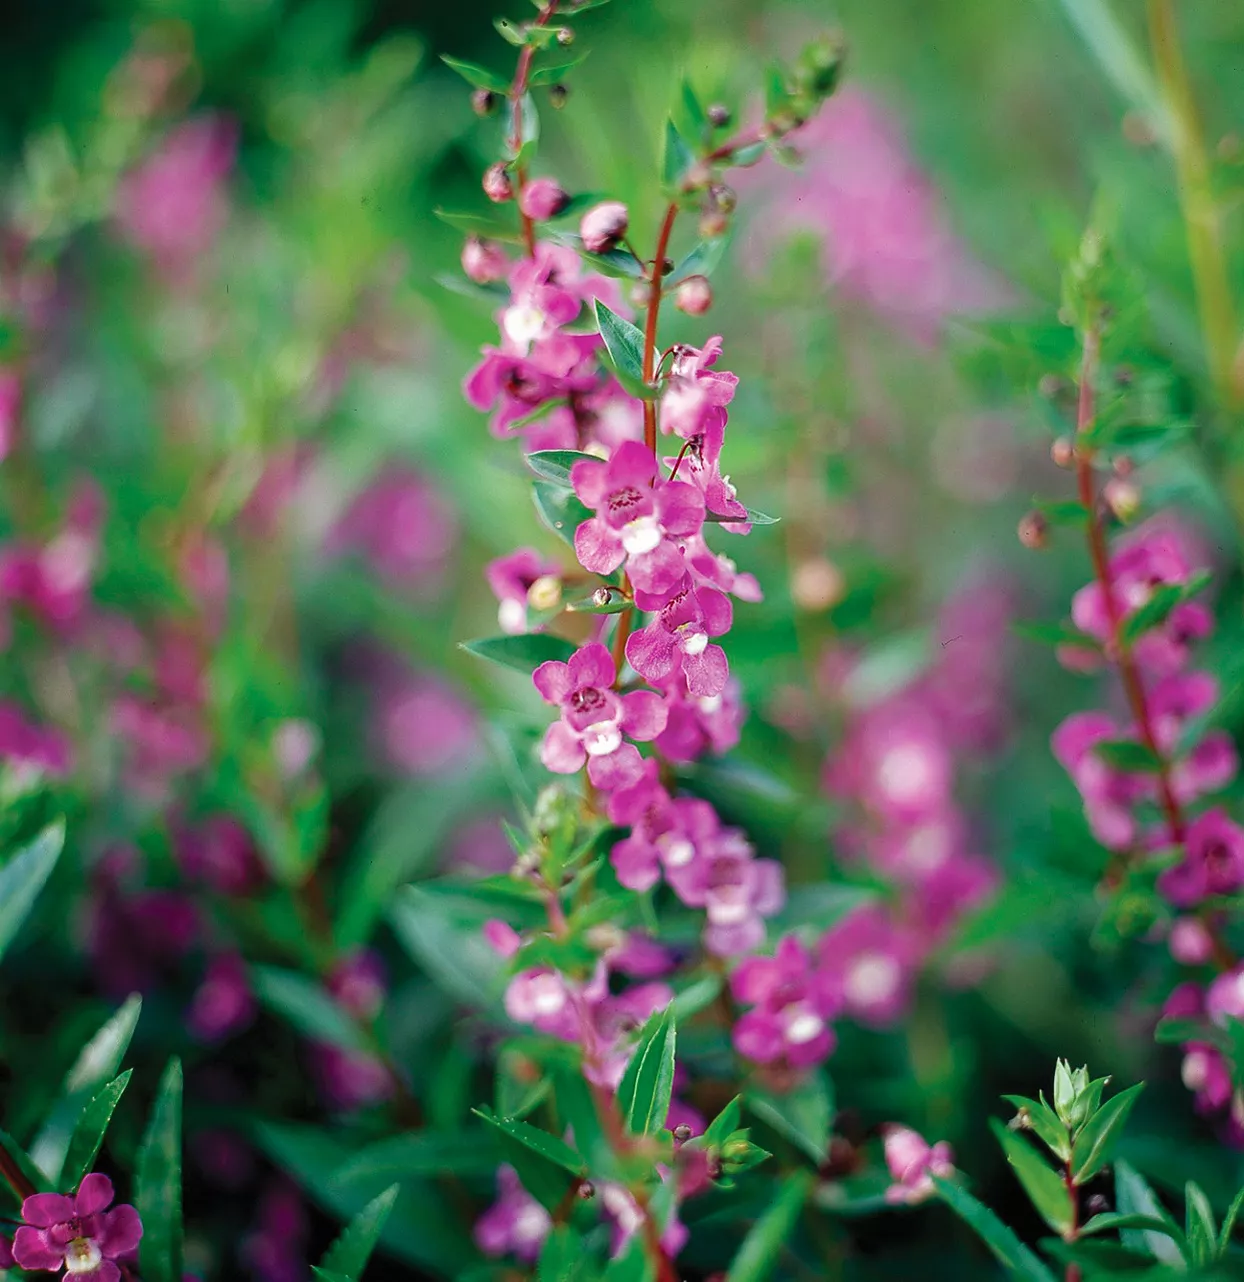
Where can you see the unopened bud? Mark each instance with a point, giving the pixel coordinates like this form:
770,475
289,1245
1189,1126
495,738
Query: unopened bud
545,593
483,102
586,1190
682,1134
697,177
542,199
484,261
497,185
605,937
1097,1204
718,115
565,36
713,223
1022,1121
603,226
1122,498
1033,530
694,295
601,597
639,294
724,198
820,64
559,95
1123,465
1063,452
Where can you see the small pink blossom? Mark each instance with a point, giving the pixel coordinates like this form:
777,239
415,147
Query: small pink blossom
603,226
484,261
1213,862
516,1224
678,640
872,960
913,1162
10,408
78,1234
542,199
696,395
792,1006
511,578
223,1004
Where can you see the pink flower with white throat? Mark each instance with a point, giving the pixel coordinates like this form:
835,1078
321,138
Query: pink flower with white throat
912,1162
678,640
78,1234
638,520
595,718
696,396
792,1006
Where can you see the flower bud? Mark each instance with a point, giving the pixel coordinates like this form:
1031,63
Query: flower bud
543,198
565,36
1063,452
545,593
484,261
558,96
817,585
724,198
713,223
1190,942
820,65
586,1190
1033,530
497,185
718,115
1122,498
601,597
483,102
639,294
1123,465
682,1134
603,226
694,295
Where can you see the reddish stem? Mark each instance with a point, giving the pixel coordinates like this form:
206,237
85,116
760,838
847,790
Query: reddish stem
518,91
1073,1272
650,325
14,1176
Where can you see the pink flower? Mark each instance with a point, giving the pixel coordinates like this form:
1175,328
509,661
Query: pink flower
603,226
542,199
793,1005
678,640
349,1079
594,718
872,960
699,724
484,261
696,395
545,999
913,1162
510,578
1109,795
423,726
516,1224
223,1004
357,983
29,747
78,1234
10,407
1213,862
220,853
1225,996
1205,1073
638,520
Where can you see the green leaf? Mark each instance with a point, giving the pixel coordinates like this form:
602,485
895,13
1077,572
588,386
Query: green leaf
1200,1229
676,157
97,1062
522,653
1111,1221
552,72
648,1083
34,1176
559,509
1095,1144
563,1255
422,1153
510,33
725,1123
476,75
478,225
24,876
348,1255
1045,1187
1044,1123
697,996
703,260
1127,755
555,465
756,518
88,1135
1228,1225
157,1183
623,341
550,1147
448,946
1157,609
307,1007
694,115
1062,511
803,1115
765,1239
1133,1196
1172,1030
1011,1253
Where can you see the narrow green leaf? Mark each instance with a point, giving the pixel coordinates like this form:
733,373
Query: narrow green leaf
1199,1227
1228,1225
478,76
448,946
1172,1030
563,1256
1045,1188
697,996
24,876
756,518
88,1135
623,341
648,1083
510,33
551,1147
1062,511
422,1153
1158,608
552,72
693,111
157,1183
1044,1123
725,1123
765,1239
306,1006
1133,1196
348,1255
676,157
703,260
1095,1144
1112,1221
555,465
803,1115
523,653
478,225
1127,755
1011,1253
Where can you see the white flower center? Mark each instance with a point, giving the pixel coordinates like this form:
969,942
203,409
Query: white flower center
728,907
927,848
1195,1070
523,324
678,851
693,642
602,738
905,772
531,1224
548,995
709,703
871,979
805,1026
641,535
512,616
82,1256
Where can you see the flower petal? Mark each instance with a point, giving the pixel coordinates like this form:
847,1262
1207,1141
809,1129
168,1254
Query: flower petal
45,1209
643,715
597,547
120,1231
592,665
561,751
31,1249
616,769
706,673
95,1194
552,680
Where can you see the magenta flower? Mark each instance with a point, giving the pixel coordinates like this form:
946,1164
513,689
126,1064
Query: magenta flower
699,724
29,747
1213,862
511,578
792,1003
513,384
678,640
913,1162
1206,1074
1108,794
638,519
545,999
872,960
1225,996
484,261
349,1079
515,1224
646,808
594,718
357,982
603,226
696,395
78,1234
542,199
223,1004
10,406
218,852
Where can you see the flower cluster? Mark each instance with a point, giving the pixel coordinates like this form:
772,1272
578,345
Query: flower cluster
78,1234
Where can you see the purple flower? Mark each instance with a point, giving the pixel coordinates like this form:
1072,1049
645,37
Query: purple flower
638,519
872,960
696,395
223,1004
594,718
545,999
30,748
678,640
699,724
1225,996
423,726
603,226
357,982
1213,862
913,1162
349,1079
218,852
511,578
276,1250
793,1004
542,199
515,1224
77,1233
484,261
1109,795
10,404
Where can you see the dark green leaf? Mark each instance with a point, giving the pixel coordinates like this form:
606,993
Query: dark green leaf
765,1239
693,110
157,1183
552,72
562,1258
1172,1030
676,157
24,876
88,1135
1045,1187
803,1115
1095,1144
1228,1225
476,75
1200,1230
725,1123
523,653
1112,1221
1044,1123
696,997
307,1006
647,1084
703,260
422,1153
448,946
1157,609
1014,1256
1133,1196
550,1147
624,342
559,509
555,465
1127,755
1062,511
349,1254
